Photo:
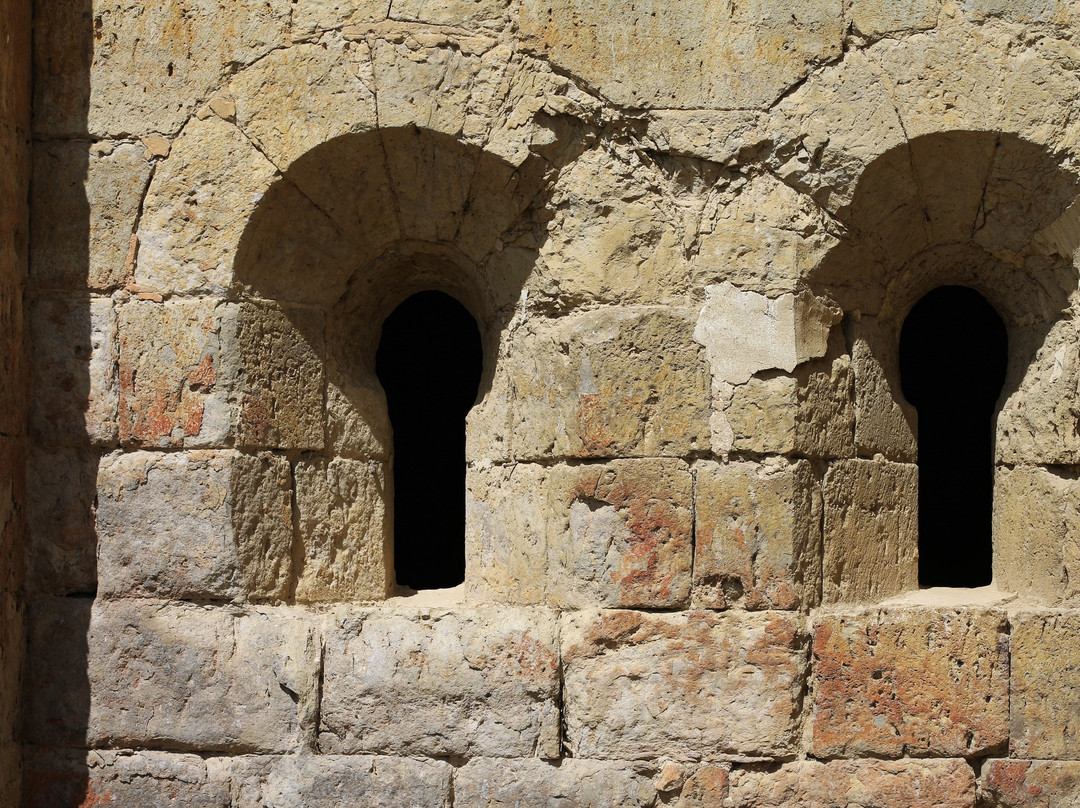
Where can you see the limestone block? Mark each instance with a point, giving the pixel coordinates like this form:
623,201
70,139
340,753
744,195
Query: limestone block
127,779
58,705
610,383
507,528
345,547
492,783
743,56
1036,523
624,534
1045,702
810,412
357,423
1053,11
61,538
707,786
882,426
331,781
757,535
874,18
871,530
281,352
291,250
431,82
317,90
615,235
911,682
711,134
84,203
438,683
616,534
195,677
1036,424
857,784
130,68
825,134
75,389
176,373
194,525
1030,783
764,240
637,685
197,207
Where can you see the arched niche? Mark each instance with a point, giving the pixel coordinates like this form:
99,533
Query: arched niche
985,210
352,229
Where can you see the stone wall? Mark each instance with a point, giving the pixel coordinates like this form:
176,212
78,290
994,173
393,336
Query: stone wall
689,234
15,21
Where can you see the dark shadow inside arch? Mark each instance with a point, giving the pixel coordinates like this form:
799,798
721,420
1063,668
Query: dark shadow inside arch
953,359
429,362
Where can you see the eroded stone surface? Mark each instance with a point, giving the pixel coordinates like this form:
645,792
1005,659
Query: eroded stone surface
176,373
610,534
490,783
344,544
911,682
757,535
75,386
1035,528
1030,783
1045,686
85,202
333,781
123,779
435,683
607,384
781,41
692,683
857,783
871,530
166,675
194,525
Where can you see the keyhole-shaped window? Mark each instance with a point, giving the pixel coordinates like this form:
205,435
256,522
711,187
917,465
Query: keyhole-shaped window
429,362
953,357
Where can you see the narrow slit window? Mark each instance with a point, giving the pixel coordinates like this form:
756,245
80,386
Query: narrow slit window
429,362
953,357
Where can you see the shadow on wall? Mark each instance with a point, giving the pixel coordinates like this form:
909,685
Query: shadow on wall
352,229
67,438
983,210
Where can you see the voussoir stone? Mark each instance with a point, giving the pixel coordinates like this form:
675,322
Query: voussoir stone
465,683
640,685
911,682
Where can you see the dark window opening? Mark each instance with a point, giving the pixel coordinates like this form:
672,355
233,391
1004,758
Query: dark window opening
429,363
953,356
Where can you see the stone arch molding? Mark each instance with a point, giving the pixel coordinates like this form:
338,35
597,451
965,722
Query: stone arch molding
292,222
915,165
